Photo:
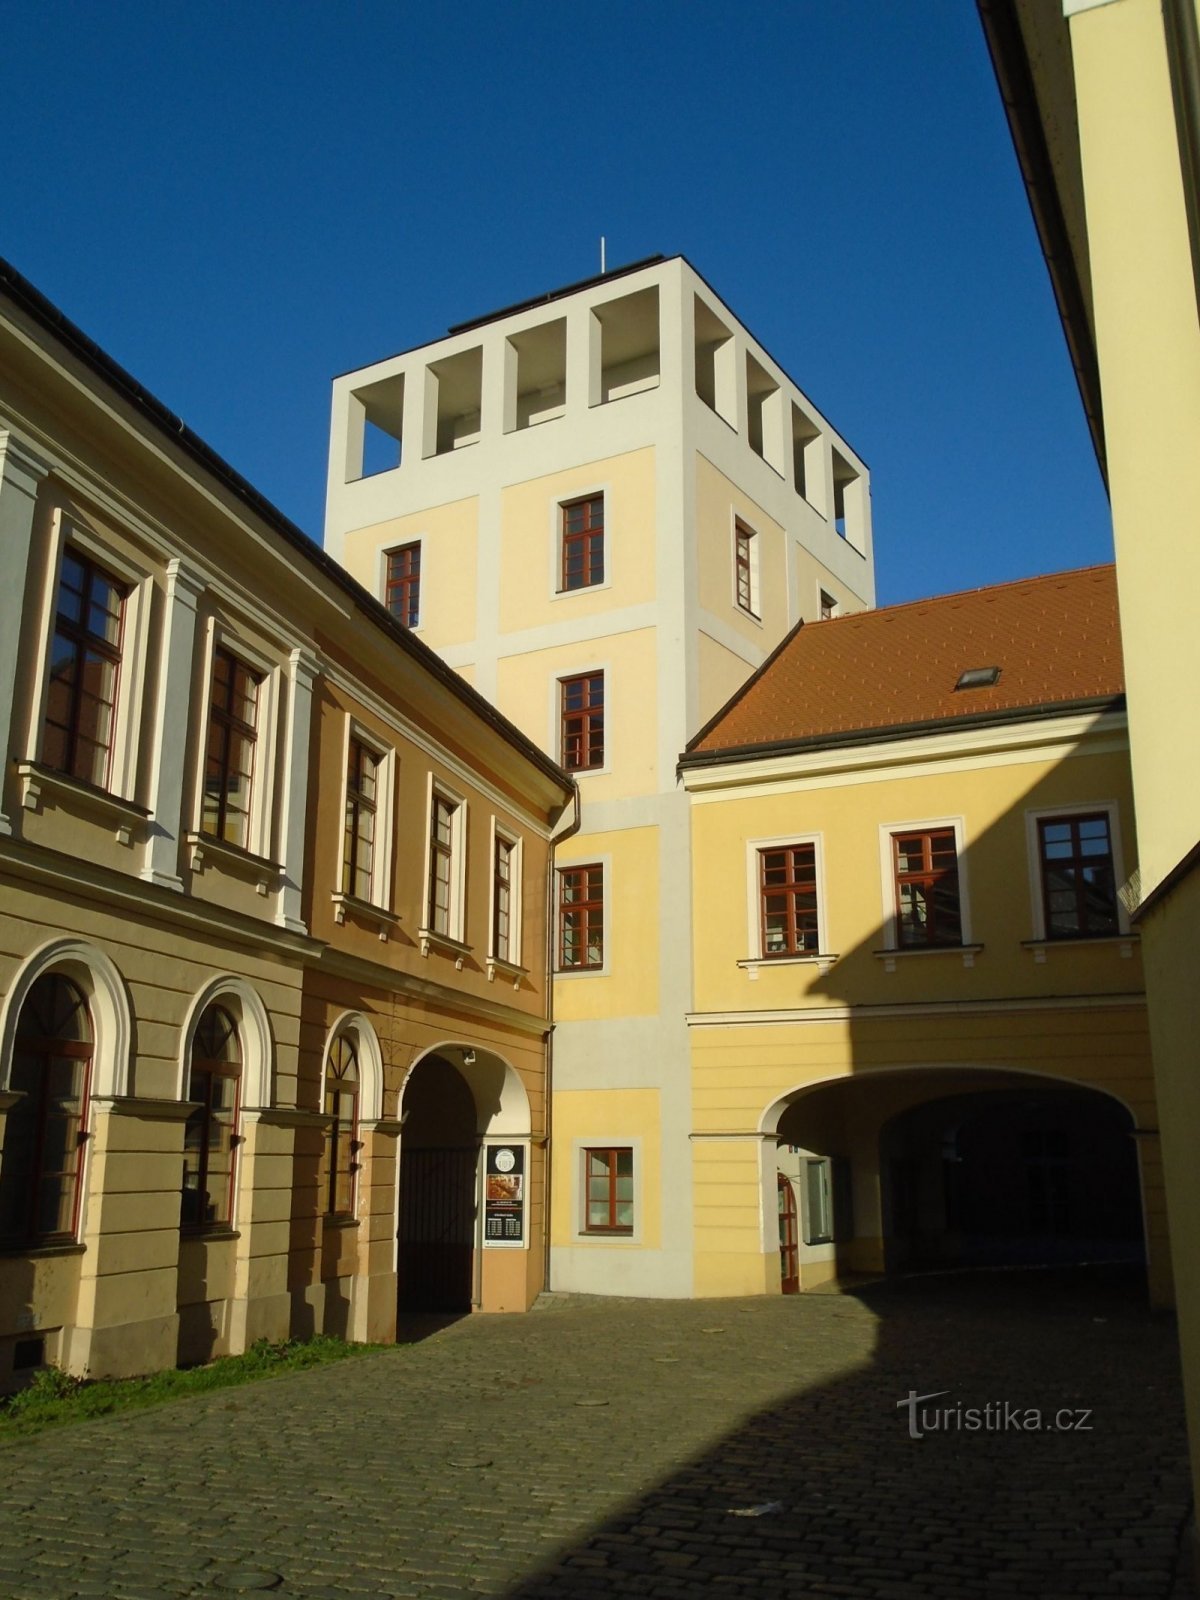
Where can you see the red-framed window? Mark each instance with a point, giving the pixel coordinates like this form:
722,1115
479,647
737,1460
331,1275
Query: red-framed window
358,846
608,1182
85,664
582,543
787,888
339,1164
41,1163
1079,887
582,713
229,756
743,568
402,584
440,906
928,902
581,918
210,1132
503,858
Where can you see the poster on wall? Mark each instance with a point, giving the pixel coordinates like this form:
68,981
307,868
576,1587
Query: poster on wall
504,1195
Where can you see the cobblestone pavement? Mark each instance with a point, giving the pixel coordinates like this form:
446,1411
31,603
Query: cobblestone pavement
612,1448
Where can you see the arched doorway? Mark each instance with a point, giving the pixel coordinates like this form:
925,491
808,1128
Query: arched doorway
789,1252
915,1168
1038,1176
439,1184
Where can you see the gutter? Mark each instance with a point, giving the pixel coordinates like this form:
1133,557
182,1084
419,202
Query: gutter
86,350
733,754
568,832
1182,32
1010,61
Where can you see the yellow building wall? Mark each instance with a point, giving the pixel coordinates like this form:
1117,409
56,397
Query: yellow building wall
527,687
530,525
1148,343
449,537
848,817
629,988
719,502
599,1115
722,673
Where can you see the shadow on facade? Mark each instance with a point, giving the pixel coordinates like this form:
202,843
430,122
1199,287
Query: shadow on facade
999,1092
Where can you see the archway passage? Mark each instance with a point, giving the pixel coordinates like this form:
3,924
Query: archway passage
1012,1178
925,1168
439,1166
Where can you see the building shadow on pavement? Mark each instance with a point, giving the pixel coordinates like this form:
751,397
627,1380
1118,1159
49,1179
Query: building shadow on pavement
841,1488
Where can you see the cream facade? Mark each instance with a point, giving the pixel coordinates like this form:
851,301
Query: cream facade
1104,104
274,988
617,503
850,1083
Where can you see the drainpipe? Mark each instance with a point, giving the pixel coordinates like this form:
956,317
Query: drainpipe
556,839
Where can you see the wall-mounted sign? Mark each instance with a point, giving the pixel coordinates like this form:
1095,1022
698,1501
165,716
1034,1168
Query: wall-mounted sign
504,1195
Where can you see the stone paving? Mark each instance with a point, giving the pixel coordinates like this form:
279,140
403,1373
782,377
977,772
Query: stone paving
612,1448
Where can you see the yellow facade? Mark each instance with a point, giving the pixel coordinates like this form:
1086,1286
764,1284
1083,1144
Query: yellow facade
273,934
1110,140
826,1053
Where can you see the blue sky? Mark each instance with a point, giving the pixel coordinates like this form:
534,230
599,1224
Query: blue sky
238,202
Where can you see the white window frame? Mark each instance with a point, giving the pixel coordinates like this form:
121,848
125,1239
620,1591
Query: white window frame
571,974
385,794
557,504
891,939
602,1141
262,781
755,613
385,551
455,936
516,866
555,743
135,650
754,900
1036,814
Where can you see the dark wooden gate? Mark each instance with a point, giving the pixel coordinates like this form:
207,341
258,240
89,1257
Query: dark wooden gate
438,1189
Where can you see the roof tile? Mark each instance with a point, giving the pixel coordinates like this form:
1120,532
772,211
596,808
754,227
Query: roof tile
1054,638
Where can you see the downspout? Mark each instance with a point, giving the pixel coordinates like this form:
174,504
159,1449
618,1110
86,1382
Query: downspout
551,935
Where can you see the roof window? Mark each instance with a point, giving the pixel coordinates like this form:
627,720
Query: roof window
978,678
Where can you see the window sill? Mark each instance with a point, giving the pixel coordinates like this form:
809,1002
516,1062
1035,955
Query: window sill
429,939
583,588
349,905
750,616
753,965
968,952
123,816
580,972
337,1223
607,1233
69,1247
506,969
264,874
204,1233
1125,941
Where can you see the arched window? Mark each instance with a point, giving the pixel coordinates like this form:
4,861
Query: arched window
339,1165
214,1079
42,1159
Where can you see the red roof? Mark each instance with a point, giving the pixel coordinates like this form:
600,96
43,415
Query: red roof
1055,639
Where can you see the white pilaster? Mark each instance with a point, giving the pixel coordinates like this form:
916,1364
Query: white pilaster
171,727
301,672
21,474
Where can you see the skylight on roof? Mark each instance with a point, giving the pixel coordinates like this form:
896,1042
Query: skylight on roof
978,678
